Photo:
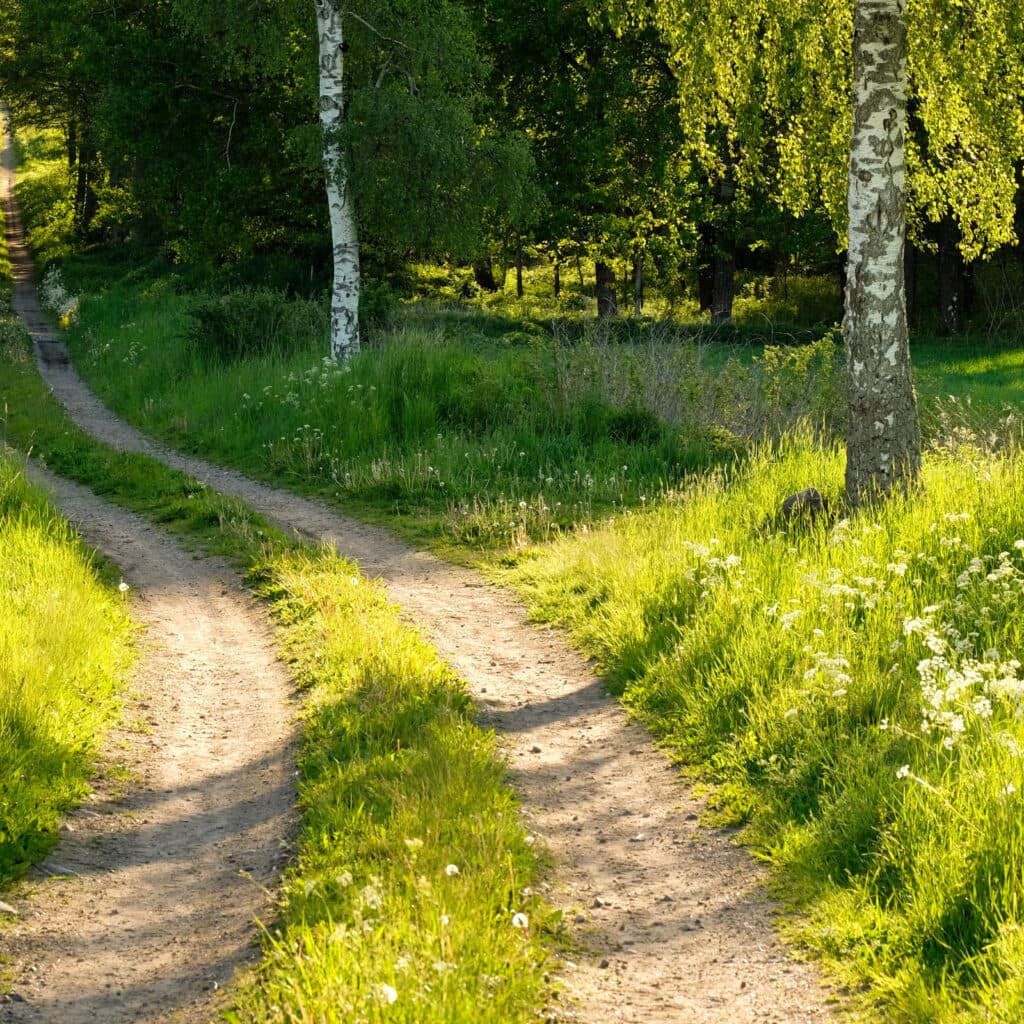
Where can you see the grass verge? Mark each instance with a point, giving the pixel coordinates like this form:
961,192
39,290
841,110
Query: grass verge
397,782
65,649
853,690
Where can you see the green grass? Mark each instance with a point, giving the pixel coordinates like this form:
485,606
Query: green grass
65,648
789,666
390,753
413,862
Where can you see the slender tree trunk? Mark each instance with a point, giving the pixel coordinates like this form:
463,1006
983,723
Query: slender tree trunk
579,271
883,445
723,279
607,305
72,141
558,278
723,242
638,283
951,277
706,267
344,240
519,269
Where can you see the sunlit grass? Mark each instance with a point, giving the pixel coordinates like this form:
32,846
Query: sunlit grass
65,646
413,864
789,664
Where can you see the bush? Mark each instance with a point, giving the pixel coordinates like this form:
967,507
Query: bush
251,322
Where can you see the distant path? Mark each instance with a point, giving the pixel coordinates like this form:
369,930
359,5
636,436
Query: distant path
676,927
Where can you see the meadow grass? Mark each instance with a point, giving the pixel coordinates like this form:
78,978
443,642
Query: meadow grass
397,783
851,688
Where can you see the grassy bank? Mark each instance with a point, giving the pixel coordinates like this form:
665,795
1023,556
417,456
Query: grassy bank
397,783
65,647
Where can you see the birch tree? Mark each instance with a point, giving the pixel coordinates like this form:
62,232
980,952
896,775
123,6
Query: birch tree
883,442
776,77
344,237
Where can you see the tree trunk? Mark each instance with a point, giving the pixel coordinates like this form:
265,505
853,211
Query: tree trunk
606,303
86,202
951,277
883,444
344,240
638,283
706,267
72,141
723,281
723,254
483,274
519,270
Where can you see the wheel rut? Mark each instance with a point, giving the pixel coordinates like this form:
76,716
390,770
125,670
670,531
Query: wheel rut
670,919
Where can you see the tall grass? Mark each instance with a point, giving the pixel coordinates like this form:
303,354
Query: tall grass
65,646
853,690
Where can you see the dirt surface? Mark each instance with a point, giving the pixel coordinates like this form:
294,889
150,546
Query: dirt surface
670,918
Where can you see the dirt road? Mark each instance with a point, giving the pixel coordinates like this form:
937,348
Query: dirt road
674,924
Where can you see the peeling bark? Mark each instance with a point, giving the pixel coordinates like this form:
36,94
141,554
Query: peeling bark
344,239
883,447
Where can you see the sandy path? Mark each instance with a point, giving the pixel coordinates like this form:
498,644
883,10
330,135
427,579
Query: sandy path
164,873
674,923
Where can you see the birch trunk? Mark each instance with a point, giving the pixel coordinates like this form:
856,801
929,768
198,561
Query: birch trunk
883,446
344,240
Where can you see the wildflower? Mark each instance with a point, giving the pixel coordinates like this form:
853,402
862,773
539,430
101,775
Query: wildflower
414,844
520,920
451,870
388,994
123,587
904,772
791,712
1019,545
1008,790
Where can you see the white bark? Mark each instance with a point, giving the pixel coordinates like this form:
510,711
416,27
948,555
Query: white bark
344,239
883,438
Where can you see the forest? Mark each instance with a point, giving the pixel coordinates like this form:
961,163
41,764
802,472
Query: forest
512,510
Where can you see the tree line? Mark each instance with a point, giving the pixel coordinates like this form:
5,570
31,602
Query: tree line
672,137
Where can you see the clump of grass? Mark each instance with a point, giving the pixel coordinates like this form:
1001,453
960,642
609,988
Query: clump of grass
65,646
852,687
